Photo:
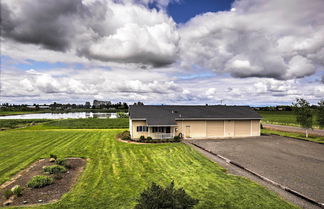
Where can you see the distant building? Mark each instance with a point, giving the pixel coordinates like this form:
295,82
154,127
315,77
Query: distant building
44,107
97,103
31,106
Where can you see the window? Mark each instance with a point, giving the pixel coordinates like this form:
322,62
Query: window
158,130
142,128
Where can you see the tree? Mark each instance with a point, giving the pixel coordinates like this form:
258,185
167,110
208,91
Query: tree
320,114
168,198
303,113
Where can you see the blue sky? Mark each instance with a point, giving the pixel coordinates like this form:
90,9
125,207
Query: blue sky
184,10
128,51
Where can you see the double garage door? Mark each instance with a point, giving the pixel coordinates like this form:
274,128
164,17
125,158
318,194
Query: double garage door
215,129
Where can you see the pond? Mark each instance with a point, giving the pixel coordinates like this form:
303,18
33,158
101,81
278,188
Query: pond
61,115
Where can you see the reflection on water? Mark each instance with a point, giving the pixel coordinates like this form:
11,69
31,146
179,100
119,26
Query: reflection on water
61,115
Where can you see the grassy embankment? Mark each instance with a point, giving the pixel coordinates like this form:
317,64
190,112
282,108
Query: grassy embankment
117,172
319,139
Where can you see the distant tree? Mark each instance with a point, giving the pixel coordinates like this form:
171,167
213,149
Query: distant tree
320,114
303,113
168,198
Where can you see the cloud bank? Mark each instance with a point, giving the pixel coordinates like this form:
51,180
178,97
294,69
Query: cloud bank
103,30
259,38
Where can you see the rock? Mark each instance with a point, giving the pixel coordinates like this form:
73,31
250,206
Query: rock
25,202
40,200
52,160
7,202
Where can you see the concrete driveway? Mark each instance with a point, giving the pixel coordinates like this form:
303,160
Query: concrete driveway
293,163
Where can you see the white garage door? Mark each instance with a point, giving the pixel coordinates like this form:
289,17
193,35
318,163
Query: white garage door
242,128
215,128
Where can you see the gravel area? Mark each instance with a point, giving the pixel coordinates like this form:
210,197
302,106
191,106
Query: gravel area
296,164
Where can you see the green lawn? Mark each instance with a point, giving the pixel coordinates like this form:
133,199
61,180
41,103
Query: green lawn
5,113
294,135
282,118
117,172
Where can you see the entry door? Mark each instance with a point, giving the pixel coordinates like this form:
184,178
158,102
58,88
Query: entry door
187,131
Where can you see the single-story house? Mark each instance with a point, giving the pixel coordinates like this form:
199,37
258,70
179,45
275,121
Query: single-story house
210,121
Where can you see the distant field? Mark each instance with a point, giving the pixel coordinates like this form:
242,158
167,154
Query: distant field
117,172
282,117
86,123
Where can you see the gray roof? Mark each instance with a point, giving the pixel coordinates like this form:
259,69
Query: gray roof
168,114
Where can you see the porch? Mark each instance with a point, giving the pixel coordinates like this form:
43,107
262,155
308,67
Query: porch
161,132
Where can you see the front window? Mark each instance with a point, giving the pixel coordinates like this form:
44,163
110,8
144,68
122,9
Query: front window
158,130
142,128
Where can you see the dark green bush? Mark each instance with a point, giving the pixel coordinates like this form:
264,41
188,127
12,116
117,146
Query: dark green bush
158,197
54,169
53,156
149,138
40,181
60,161
7,193
142,138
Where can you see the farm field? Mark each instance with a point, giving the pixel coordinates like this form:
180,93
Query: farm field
282,117
86,123
117,172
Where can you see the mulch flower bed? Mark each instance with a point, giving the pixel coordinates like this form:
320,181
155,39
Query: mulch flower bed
48,193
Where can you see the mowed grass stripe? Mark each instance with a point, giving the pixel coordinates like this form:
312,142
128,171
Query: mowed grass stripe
117,172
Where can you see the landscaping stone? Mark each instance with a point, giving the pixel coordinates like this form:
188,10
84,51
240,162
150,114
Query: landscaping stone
7,202
14,188
52,160
25,202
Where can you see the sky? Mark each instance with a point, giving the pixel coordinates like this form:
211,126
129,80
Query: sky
243,52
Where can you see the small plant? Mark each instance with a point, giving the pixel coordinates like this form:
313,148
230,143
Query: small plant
149,138
53,156
158,197
60,161
142,138
16,190
7,193
54,169
40,181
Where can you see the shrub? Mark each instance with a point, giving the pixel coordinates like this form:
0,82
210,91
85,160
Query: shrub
54,169
158,197
125,135
53,156
60,161
149,138
40,181
7,193
16,190
261,126
142,138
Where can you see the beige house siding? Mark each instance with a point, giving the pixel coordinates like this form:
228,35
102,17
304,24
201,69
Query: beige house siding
255,127
135,134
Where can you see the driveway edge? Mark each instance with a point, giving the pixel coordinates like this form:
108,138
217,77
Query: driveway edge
287,189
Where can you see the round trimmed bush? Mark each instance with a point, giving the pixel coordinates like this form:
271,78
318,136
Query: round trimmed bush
40,181
54,169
